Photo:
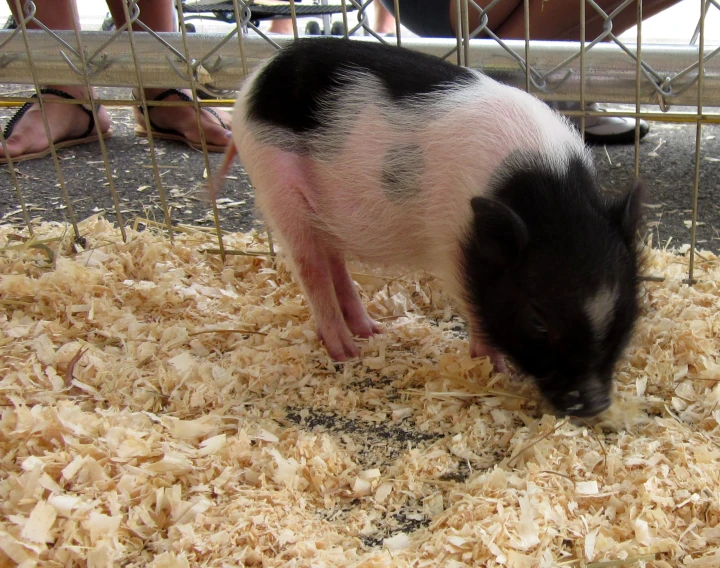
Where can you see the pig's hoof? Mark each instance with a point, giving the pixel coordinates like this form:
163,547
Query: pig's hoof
479,349
365,327
498,362
340,346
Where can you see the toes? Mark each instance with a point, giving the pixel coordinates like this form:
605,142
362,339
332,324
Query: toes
14,147
365,332
183,120
336,355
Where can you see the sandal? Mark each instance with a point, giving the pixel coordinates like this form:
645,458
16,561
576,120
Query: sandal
85,138
169,133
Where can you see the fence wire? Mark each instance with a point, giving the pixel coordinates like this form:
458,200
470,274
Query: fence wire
212,67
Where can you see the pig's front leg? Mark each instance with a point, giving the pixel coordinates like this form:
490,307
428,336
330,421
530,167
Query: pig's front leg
356,317
478,348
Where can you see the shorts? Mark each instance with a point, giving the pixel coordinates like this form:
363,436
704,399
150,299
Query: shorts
426,18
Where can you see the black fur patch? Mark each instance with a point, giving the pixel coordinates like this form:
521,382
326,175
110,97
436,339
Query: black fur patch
287,92
402,172
530,295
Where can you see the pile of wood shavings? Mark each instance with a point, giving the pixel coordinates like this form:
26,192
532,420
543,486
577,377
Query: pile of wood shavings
163,408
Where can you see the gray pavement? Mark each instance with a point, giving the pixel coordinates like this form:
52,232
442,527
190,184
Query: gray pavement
667,166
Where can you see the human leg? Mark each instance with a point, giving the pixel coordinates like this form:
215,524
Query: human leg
69,124
384,22
426,18
561,20
281,26
384,18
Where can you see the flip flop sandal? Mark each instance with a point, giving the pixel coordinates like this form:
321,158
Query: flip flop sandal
169,133
83,139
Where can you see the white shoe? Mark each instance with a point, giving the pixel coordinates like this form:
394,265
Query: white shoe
603,129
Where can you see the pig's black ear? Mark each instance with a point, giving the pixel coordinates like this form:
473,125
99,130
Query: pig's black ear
500,232
626,212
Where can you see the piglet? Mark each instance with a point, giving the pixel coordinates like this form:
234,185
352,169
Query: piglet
395,157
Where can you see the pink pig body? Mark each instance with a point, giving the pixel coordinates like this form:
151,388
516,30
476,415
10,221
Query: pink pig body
330,202
396,158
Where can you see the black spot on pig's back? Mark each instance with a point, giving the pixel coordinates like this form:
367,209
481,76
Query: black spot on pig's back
288,90
402,172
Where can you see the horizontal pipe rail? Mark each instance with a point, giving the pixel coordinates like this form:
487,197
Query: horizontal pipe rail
610,72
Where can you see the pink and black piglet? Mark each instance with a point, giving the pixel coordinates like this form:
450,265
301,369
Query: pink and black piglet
393,157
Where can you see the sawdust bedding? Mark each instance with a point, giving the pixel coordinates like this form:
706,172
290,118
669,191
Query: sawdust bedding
163,408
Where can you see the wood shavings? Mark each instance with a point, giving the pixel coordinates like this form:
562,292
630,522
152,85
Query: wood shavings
160,407
37,527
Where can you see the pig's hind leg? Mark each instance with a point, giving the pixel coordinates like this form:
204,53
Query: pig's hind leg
356,318
315,269
281,190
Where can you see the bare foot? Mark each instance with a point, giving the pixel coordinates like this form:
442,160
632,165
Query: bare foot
66,122
183,121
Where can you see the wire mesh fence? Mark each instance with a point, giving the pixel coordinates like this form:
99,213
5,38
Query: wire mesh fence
668,84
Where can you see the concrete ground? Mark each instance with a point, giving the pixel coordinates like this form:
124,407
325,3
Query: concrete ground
666,165
667,160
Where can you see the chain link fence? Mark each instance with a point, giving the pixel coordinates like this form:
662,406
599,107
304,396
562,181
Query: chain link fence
656,79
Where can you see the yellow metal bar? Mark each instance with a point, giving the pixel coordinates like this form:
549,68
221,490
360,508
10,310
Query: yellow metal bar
146,115
698,142
203,141
46,124
101,140
582,69
638,76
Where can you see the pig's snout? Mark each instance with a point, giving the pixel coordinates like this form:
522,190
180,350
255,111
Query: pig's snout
590,399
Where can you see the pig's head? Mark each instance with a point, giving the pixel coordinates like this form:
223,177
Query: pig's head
551,275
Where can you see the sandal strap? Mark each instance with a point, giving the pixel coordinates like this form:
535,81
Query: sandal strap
165,94
183,97
216,115
46,91
7,132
